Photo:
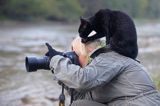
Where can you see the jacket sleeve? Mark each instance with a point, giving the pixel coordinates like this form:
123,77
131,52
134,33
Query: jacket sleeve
99,72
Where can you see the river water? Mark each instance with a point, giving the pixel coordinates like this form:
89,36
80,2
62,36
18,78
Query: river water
18,40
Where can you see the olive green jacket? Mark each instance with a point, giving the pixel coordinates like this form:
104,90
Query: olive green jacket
110,78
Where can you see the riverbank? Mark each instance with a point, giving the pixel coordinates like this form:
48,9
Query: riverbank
18,40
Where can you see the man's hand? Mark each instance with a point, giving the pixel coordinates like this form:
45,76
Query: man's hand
52,52
80,49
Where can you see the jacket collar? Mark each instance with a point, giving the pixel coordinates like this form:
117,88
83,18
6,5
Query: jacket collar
99,51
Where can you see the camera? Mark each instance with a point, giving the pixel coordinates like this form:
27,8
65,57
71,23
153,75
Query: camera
33,63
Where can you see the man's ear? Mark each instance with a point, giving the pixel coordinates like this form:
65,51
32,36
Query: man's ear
89,49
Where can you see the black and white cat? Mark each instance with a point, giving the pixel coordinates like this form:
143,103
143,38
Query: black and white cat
116,26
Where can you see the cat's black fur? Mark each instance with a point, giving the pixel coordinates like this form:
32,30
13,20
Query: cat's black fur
116,26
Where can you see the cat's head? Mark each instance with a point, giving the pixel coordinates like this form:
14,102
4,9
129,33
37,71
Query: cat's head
85,28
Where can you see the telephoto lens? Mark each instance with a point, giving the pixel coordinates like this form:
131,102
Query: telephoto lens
33,64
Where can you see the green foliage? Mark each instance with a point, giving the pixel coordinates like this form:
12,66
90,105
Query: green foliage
135,8
53,9
157,80
66,10
71,10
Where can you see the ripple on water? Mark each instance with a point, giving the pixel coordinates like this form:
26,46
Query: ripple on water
19,88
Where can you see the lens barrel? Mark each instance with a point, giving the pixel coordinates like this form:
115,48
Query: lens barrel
33,64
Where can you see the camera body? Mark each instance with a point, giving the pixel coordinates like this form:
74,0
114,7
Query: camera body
33,64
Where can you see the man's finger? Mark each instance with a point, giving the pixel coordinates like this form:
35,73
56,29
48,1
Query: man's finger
49,46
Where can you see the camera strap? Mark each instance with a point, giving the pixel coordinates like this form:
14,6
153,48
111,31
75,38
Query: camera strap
71,101
62,97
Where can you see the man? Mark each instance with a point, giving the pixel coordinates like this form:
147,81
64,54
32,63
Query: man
110,79
84,50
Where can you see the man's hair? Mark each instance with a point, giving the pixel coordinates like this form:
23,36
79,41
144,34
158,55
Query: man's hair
81,48
94,44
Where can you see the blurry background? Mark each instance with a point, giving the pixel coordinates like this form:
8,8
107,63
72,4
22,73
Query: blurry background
25,25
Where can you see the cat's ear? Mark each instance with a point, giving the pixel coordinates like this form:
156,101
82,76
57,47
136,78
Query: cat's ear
84,21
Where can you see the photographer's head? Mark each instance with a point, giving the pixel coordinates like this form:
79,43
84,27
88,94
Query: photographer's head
91,46
83,50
